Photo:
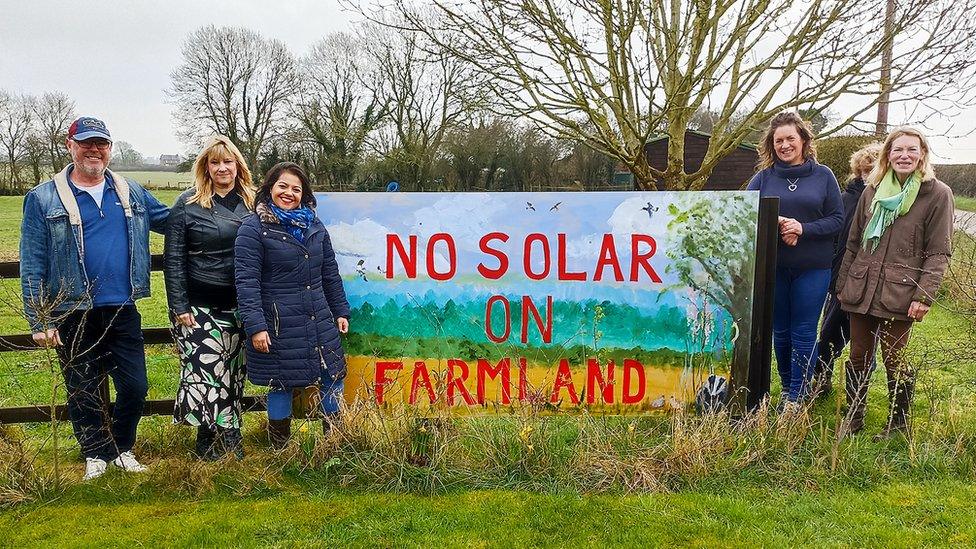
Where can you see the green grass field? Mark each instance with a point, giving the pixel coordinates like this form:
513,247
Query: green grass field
924,514
535,480
167,180
966,203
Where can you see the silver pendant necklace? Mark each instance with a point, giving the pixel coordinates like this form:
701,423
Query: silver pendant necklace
792,183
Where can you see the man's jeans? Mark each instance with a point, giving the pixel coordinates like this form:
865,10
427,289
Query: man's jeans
100,342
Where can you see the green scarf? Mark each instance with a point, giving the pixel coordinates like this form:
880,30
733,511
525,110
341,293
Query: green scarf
890,201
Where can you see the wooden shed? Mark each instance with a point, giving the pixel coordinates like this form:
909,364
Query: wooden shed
732,172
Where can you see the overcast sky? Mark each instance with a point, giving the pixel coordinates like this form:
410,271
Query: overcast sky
114,58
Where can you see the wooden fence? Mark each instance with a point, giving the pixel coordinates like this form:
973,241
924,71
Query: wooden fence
152,336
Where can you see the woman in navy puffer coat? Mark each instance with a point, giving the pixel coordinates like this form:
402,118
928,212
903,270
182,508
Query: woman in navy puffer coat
290,298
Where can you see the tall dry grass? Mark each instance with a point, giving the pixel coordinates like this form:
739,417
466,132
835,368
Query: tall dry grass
401,448
430,451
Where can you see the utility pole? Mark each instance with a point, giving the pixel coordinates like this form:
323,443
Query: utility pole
881,127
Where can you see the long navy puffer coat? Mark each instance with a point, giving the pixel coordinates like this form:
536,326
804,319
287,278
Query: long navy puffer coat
294,292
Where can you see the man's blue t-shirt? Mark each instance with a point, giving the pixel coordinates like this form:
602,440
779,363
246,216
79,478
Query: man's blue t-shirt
106,237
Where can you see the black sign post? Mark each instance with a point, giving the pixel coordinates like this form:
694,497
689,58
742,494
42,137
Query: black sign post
761,344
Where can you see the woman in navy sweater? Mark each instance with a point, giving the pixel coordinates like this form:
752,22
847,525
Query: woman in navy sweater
811,215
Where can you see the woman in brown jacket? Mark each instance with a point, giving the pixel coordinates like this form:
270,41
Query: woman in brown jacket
897,252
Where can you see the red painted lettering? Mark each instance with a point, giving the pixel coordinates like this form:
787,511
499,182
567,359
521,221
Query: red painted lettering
594,379
456,383
561,271
608,256
642,259
493,274
451,256
633,367
529,307
564,378
527,256
508,319
409,260
381,381
486,371
421,377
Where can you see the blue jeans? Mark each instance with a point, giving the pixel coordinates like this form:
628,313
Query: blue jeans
798,300
279,400
100,342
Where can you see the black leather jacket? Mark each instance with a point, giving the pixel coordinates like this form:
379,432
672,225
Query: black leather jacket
199,248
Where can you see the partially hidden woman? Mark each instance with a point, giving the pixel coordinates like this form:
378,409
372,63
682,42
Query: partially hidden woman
835,331
199,271
897,254
811,214
291,299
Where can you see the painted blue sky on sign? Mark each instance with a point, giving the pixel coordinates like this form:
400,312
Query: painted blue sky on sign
360,222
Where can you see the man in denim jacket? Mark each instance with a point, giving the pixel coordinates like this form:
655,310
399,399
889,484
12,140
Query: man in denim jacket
84,260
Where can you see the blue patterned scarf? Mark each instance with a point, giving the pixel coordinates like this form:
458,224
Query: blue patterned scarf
296,221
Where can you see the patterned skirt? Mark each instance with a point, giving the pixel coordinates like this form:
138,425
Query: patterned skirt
213,373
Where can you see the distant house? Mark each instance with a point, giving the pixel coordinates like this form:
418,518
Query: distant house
169,159
731,173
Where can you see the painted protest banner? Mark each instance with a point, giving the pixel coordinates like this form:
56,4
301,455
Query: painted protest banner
615,301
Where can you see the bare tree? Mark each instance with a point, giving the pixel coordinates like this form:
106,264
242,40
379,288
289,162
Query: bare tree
881,126
54,112
476,153
634,69
125,156
427,94
337,107
591,168
16,118
234,82
36,155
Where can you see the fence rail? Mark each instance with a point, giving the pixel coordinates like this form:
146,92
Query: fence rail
42,413
152,336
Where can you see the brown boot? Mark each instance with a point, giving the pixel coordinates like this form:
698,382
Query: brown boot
279,432
856,387
901,394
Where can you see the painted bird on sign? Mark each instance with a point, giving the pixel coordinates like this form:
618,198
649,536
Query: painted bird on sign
650,209
555,207
529,206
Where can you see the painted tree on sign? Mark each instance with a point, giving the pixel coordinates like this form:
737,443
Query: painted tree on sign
713,251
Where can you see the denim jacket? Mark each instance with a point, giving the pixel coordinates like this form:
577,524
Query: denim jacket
52,268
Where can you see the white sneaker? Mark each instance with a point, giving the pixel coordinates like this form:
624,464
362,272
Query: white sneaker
94,468
127,462
792,408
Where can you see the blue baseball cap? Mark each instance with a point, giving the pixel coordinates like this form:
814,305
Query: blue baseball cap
88,127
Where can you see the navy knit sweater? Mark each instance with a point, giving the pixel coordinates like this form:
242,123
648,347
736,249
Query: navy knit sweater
815,203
